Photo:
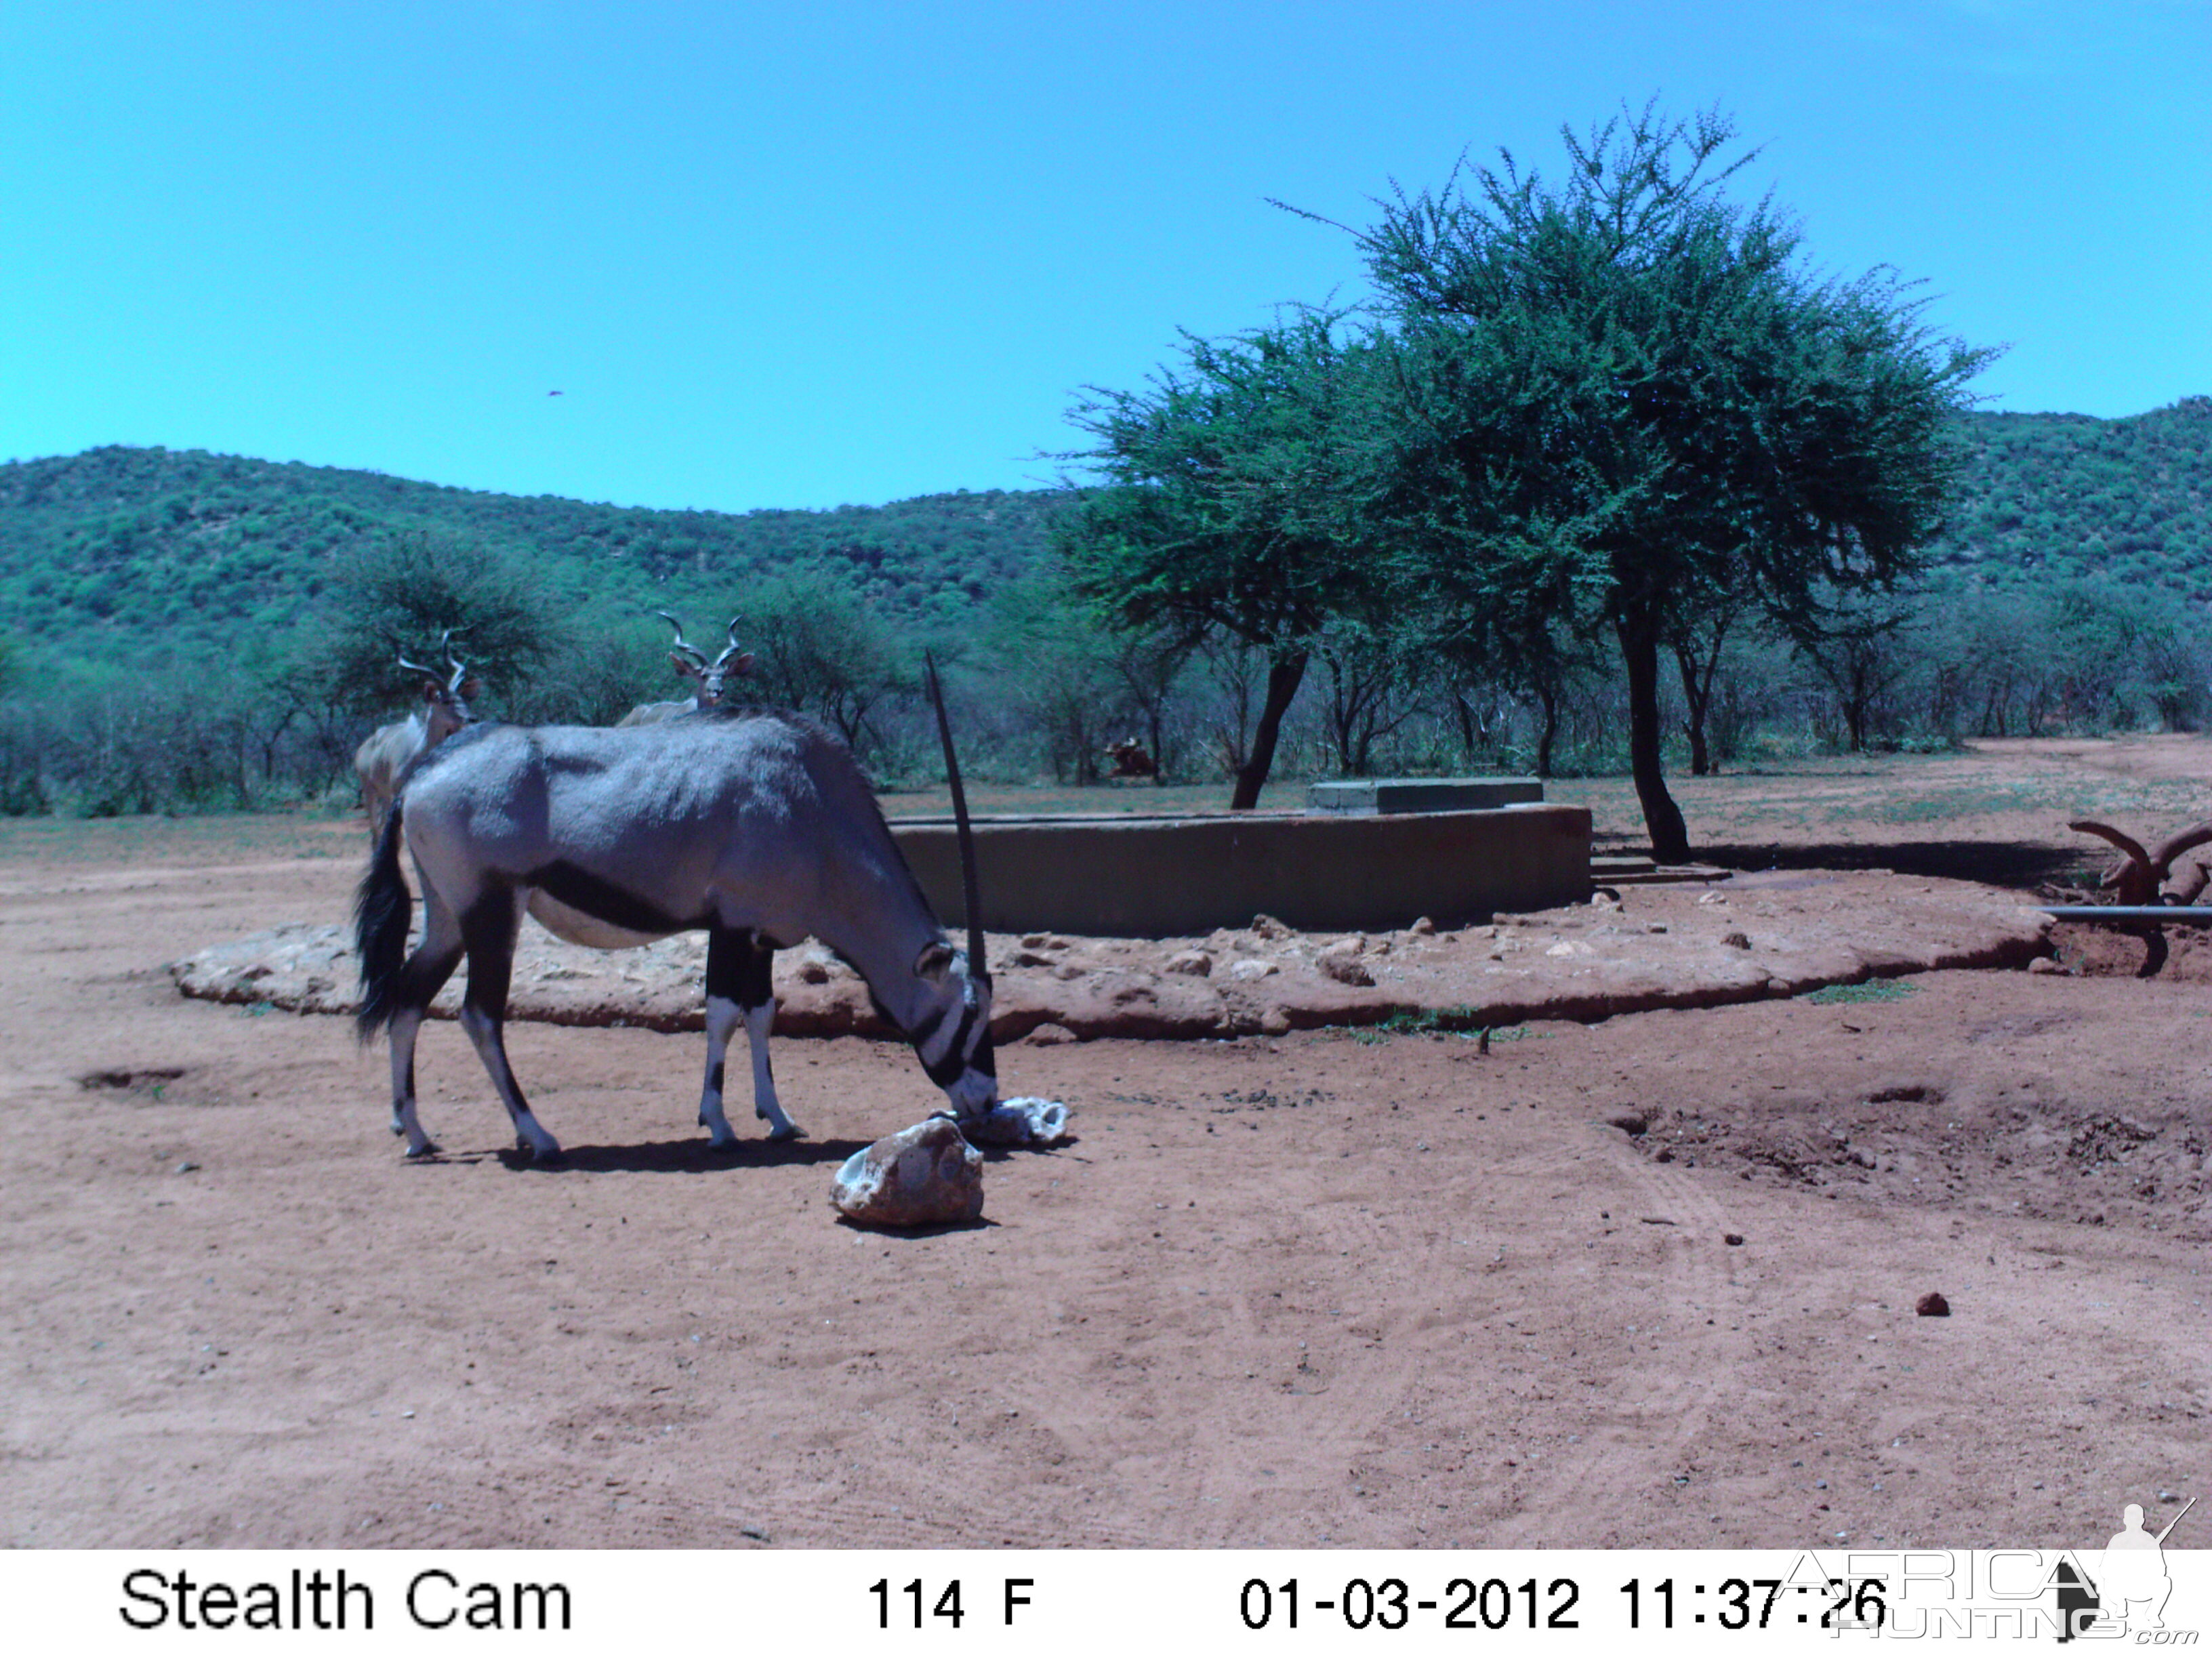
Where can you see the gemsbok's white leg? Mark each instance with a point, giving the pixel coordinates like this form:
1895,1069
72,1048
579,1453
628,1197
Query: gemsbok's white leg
758,1023
722,1015
740,980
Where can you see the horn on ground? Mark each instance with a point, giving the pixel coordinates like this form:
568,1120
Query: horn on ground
970,895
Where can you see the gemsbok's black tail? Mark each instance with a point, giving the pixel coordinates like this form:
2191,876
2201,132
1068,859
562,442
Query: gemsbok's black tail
383,909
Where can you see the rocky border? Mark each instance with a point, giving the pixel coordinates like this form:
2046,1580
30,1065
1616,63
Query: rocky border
1692,946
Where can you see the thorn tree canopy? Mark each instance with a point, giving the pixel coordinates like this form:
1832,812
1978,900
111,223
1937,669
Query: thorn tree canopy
1233,503
1622,397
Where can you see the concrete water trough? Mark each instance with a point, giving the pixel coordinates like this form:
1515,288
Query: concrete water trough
1162,878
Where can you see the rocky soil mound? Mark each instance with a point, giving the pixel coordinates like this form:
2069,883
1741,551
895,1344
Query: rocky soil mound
1699,946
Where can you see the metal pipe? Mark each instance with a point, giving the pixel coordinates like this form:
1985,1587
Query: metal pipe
2188,916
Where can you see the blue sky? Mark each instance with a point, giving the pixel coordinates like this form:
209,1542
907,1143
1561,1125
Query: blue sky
796,255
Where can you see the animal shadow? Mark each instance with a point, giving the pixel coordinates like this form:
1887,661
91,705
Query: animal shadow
687,1157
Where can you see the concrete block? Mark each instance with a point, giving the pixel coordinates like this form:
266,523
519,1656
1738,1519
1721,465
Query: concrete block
1174,877
1371,795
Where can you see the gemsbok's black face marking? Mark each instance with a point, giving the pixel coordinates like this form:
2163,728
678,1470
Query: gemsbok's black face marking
754,826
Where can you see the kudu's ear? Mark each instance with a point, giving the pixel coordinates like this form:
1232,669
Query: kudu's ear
743,665
684,668
934,963
434,691
472,688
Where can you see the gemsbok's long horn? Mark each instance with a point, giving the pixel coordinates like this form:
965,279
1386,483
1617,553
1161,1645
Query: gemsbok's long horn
970,895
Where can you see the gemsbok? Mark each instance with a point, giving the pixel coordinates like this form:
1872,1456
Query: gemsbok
710,678
385,753
755,825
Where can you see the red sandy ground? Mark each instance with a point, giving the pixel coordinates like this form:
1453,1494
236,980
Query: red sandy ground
1326,1288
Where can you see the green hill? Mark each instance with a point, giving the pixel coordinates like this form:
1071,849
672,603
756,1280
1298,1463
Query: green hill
2047,498
117,548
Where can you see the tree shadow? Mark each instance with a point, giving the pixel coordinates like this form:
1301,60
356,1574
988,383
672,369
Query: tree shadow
2020,865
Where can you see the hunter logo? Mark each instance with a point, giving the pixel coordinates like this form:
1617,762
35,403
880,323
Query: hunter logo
2129,1594
2119,1595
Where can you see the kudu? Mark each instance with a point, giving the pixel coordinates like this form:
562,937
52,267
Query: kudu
757,826
709,677
385,753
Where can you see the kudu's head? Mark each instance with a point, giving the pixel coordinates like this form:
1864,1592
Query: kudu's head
955,1043
445,696
709,678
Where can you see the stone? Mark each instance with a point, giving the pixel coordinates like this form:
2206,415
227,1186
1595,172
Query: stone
1737,941
1932,1306
1423,926
2046,966
1276,1021
1252,968
923,1176
1341,962
1267,927
1191,962
1048,1035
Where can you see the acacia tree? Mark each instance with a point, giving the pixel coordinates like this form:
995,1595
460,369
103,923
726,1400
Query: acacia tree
1621,398
819,648
1233,504
398,596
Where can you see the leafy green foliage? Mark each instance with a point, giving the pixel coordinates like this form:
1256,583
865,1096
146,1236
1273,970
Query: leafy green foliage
1625,401
397,599
1235,503
818,647
123,551
2043,499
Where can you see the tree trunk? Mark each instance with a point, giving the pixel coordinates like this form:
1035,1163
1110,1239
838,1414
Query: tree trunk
1697,697
1465,712
1284,675
1547,698
1639,651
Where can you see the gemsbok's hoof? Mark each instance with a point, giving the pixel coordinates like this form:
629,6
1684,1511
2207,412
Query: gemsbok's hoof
428,1149
789,1131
